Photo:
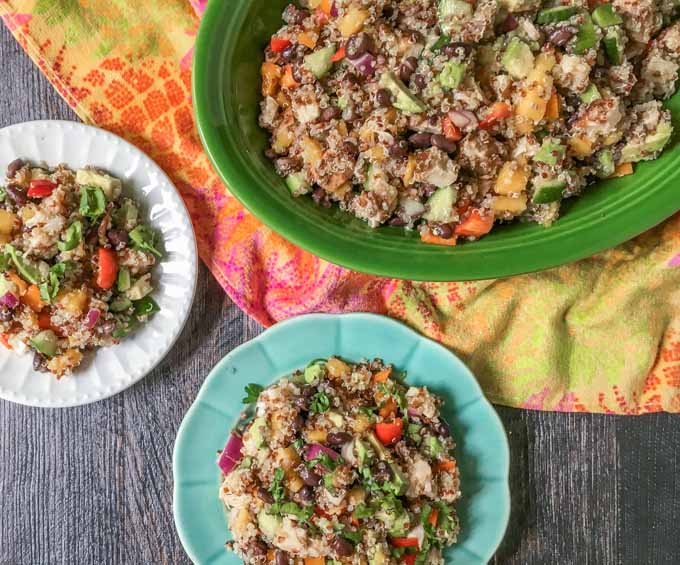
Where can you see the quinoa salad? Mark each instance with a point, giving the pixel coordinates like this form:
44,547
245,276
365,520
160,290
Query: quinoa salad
76,264
341,463
450,116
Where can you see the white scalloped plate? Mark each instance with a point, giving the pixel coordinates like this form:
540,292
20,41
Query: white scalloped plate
112,369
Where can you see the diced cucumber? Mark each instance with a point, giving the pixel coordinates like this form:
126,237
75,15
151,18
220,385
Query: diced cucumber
590,94
404,99
297,184
452,13
46,343
586,37
605,16
554,15
321,61
647,148
140,288
518,59
452,74
604,164
613,45
120,304
551,152
123,283
440,205
373,176
441,41
546,191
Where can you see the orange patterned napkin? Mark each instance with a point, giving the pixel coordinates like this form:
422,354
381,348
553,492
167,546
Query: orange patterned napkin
601,335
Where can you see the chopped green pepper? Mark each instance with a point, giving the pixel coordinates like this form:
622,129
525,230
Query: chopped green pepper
74,235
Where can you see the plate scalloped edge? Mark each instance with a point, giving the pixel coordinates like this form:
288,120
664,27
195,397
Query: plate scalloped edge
479,433
116,368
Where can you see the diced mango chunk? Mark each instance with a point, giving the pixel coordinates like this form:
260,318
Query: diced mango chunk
312,152
513,178
353,21
502,204
74,302
581,147
8,222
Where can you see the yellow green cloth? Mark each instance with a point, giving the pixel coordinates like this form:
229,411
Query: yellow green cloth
601,335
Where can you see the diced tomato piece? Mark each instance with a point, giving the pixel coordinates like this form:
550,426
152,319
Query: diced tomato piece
451,130
320,511
278,44
436,240
410,558
339,55
433,517
44,320
499,111
475,225
4,339
446,465
382,376
40,188
108,268
287,80
389,432
404,542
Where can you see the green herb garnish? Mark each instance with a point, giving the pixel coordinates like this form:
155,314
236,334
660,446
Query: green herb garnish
252,394
92,202
74,235
146,239
320,403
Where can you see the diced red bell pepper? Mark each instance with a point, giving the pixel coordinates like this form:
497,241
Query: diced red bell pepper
475,225
339,55
389,432
404,542
4,339
44,320
410,558
451,131
40,188
278,44
108,268
499,111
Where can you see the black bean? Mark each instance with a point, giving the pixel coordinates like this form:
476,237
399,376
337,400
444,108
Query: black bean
270,154
306,494
358,44
408,67
397,222
398,149
427,189
309,477
382,472
5,314
118,238
383,98
16,194
421,140
308,391
388,12
302,403
342,547
336,439
13,167
351,148
457,49
264,495
297,73
294,15
330,113
420,81
442,230
441,428
39,362
510,23
257,548
297,424
282,558
561,36
414,36
288,165
441,142
289,54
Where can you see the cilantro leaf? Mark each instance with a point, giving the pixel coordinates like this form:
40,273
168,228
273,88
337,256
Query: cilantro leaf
320,403
277,490
252,393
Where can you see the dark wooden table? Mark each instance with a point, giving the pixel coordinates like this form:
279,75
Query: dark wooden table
93,485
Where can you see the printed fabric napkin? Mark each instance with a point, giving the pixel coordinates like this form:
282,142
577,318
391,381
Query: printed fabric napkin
600,335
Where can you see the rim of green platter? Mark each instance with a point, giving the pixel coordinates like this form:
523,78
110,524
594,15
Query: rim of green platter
226,92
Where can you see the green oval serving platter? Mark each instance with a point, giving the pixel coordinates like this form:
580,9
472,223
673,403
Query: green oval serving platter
226,90
481,444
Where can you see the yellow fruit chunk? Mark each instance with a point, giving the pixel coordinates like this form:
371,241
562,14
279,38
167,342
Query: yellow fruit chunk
513,178
581,147
502,204
353,21
271,76
533,105
336,368
8,222
74,302
311,152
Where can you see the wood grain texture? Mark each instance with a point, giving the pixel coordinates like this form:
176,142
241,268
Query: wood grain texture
93,485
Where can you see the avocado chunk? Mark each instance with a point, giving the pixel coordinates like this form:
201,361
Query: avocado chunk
452,74
140,288
120,304
590,94
362,452
586,37
379,557
403,98
518,59
613,46
321,61
46,343
400,525
111,187
314,372
440,205
269,525
551,152
548,190
433,446
123,282
605,16
258,425
649,147
297,184
452,13
604,164
554,15
26,270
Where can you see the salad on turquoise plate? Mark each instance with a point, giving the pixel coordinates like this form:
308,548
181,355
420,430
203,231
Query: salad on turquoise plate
481,449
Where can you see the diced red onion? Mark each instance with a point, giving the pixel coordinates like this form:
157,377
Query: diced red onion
334,11
365,64
413,208
231,454
463,118
93,317
419,533
9,300
413,413
315,449
347,453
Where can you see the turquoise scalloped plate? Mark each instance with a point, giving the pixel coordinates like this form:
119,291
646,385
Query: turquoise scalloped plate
482,448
